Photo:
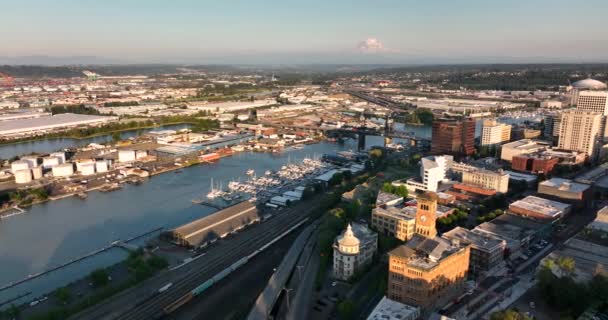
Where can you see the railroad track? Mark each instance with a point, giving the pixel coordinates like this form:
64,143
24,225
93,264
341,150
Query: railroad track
144,301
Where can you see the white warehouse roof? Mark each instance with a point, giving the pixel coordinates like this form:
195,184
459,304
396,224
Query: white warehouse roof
47,123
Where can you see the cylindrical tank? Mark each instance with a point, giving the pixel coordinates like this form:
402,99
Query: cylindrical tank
101,166
87,169
23,176
51,161
80,163
33,160
126,155
37,172
60,155
19,165
63,170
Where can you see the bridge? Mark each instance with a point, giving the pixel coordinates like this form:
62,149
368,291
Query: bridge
381,101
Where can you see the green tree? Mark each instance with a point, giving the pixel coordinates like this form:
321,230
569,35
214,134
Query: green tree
99,277
63,295
509,314
346,309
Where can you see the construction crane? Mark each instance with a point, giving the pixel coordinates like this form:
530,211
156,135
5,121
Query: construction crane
6,80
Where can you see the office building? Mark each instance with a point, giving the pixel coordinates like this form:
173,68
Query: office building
581,131
427,271
353,250
493,180
593,101
433,170
551,125
487,251
494,133
396,222
525,146
455,137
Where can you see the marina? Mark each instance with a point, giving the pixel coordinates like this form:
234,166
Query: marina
60,231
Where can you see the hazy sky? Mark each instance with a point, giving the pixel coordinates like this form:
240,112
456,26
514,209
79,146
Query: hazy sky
307,31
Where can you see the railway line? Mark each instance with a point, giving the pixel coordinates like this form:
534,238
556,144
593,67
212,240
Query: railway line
145,302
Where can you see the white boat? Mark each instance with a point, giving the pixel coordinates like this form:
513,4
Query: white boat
250,172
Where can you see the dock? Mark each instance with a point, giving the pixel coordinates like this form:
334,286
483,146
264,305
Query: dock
13,211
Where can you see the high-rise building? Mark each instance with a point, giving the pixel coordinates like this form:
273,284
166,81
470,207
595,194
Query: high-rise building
456,137
551,122
593,101
427,271
494,133
581,131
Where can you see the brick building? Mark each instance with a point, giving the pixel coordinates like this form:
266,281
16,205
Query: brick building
455,137
535,163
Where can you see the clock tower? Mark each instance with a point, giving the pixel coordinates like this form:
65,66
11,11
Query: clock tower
426,215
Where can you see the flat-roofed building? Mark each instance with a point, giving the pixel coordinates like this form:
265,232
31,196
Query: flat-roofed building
388,309
535,163
581,131
493,180
519,147
517,232
208,229
590,257
396,222
494,133
24,127
540,208
487,252
433,170
456,137
579,194
601,220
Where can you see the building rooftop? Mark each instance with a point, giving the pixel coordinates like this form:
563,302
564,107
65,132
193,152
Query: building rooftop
589,84
388,309
425,253
480,241
601,221
46,123
521,176
565,185
405,213
526,144
385,198
509,227
541,206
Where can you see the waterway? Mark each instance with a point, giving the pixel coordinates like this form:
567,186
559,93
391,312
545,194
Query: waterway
53,233
54,144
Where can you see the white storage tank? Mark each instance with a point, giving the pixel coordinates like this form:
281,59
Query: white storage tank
19,165
126,155
33,160
101,166
37,172
23,176
87,169
51,161
60,155
63,170
83,162
141,154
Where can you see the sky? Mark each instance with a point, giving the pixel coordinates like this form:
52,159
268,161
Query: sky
304,31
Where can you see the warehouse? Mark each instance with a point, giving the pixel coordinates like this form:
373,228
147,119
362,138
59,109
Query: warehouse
540,208
203,231
46,124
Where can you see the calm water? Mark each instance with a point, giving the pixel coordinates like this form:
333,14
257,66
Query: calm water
55,144
58,231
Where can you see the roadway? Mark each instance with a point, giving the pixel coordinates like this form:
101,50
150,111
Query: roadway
144,302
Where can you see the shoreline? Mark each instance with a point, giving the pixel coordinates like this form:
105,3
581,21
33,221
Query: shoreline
41,138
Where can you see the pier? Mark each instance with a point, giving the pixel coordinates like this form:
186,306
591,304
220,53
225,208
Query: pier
11,212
